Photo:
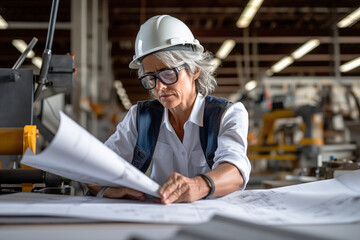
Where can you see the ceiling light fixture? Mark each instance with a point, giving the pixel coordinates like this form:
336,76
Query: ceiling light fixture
225,48
216,63
350,65
21,46
120,90
3,23
269,73
305,48
248,14
349,19
283,63
37,61
250,85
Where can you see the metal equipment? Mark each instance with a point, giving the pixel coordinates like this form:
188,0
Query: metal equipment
296,142
272,145
17,132
17,86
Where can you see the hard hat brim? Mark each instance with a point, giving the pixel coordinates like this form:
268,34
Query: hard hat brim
135,64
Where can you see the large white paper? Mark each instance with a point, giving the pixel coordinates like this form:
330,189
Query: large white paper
76,154
323,202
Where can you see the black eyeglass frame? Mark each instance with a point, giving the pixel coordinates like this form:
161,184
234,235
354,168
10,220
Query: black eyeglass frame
157,76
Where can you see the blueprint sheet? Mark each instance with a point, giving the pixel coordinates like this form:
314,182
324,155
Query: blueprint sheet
322,202
76,154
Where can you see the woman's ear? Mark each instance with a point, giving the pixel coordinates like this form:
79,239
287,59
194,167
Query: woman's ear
197,73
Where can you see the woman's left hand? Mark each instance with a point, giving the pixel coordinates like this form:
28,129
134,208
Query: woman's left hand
179,188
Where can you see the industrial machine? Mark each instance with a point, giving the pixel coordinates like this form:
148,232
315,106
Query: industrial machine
19,126
293,144
277,143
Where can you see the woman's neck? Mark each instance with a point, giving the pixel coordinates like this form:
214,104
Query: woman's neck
179,115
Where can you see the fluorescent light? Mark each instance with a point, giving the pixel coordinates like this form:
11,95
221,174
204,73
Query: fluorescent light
350,65
3,23
349,19
216,63
283,63
269,73
120,90
250,85
37,61
248,13
21,46
225,48
298,53
118,84
305,48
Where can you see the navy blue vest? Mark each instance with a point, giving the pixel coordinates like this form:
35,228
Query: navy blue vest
149,116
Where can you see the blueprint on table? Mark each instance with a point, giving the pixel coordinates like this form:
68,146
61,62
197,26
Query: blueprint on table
322,202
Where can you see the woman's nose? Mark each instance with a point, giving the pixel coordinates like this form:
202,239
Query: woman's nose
160,85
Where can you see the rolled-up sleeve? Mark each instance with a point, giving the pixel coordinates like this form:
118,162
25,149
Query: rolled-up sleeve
232,140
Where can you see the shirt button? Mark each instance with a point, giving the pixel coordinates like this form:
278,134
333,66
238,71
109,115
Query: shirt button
183,153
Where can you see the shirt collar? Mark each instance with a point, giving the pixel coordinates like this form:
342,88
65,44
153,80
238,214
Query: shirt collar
196,115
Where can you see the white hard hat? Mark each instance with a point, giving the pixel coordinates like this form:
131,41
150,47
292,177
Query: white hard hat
161,33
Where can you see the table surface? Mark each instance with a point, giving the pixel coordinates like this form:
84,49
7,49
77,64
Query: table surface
55,228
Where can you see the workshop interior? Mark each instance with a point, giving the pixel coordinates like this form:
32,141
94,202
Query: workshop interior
295,65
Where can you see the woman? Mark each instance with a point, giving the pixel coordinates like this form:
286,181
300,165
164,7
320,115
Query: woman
177,71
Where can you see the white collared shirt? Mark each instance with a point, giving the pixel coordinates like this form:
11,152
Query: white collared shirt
187,157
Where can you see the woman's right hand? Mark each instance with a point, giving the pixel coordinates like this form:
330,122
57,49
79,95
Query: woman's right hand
117,192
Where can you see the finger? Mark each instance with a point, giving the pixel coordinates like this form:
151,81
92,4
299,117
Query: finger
169,190
123,192
135,194
135,198
176,196
168,182
168,187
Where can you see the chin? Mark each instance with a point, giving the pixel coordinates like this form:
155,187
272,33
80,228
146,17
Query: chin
169,104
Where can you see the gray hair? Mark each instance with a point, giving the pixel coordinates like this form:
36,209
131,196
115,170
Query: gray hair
206,82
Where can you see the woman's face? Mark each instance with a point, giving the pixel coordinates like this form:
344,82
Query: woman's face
178,95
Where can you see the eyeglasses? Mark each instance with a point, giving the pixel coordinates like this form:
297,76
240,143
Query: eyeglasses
167,76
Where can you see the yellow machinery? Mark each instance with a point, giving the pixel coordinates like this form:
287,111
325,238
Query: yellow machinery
15,141
270,148
267,147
